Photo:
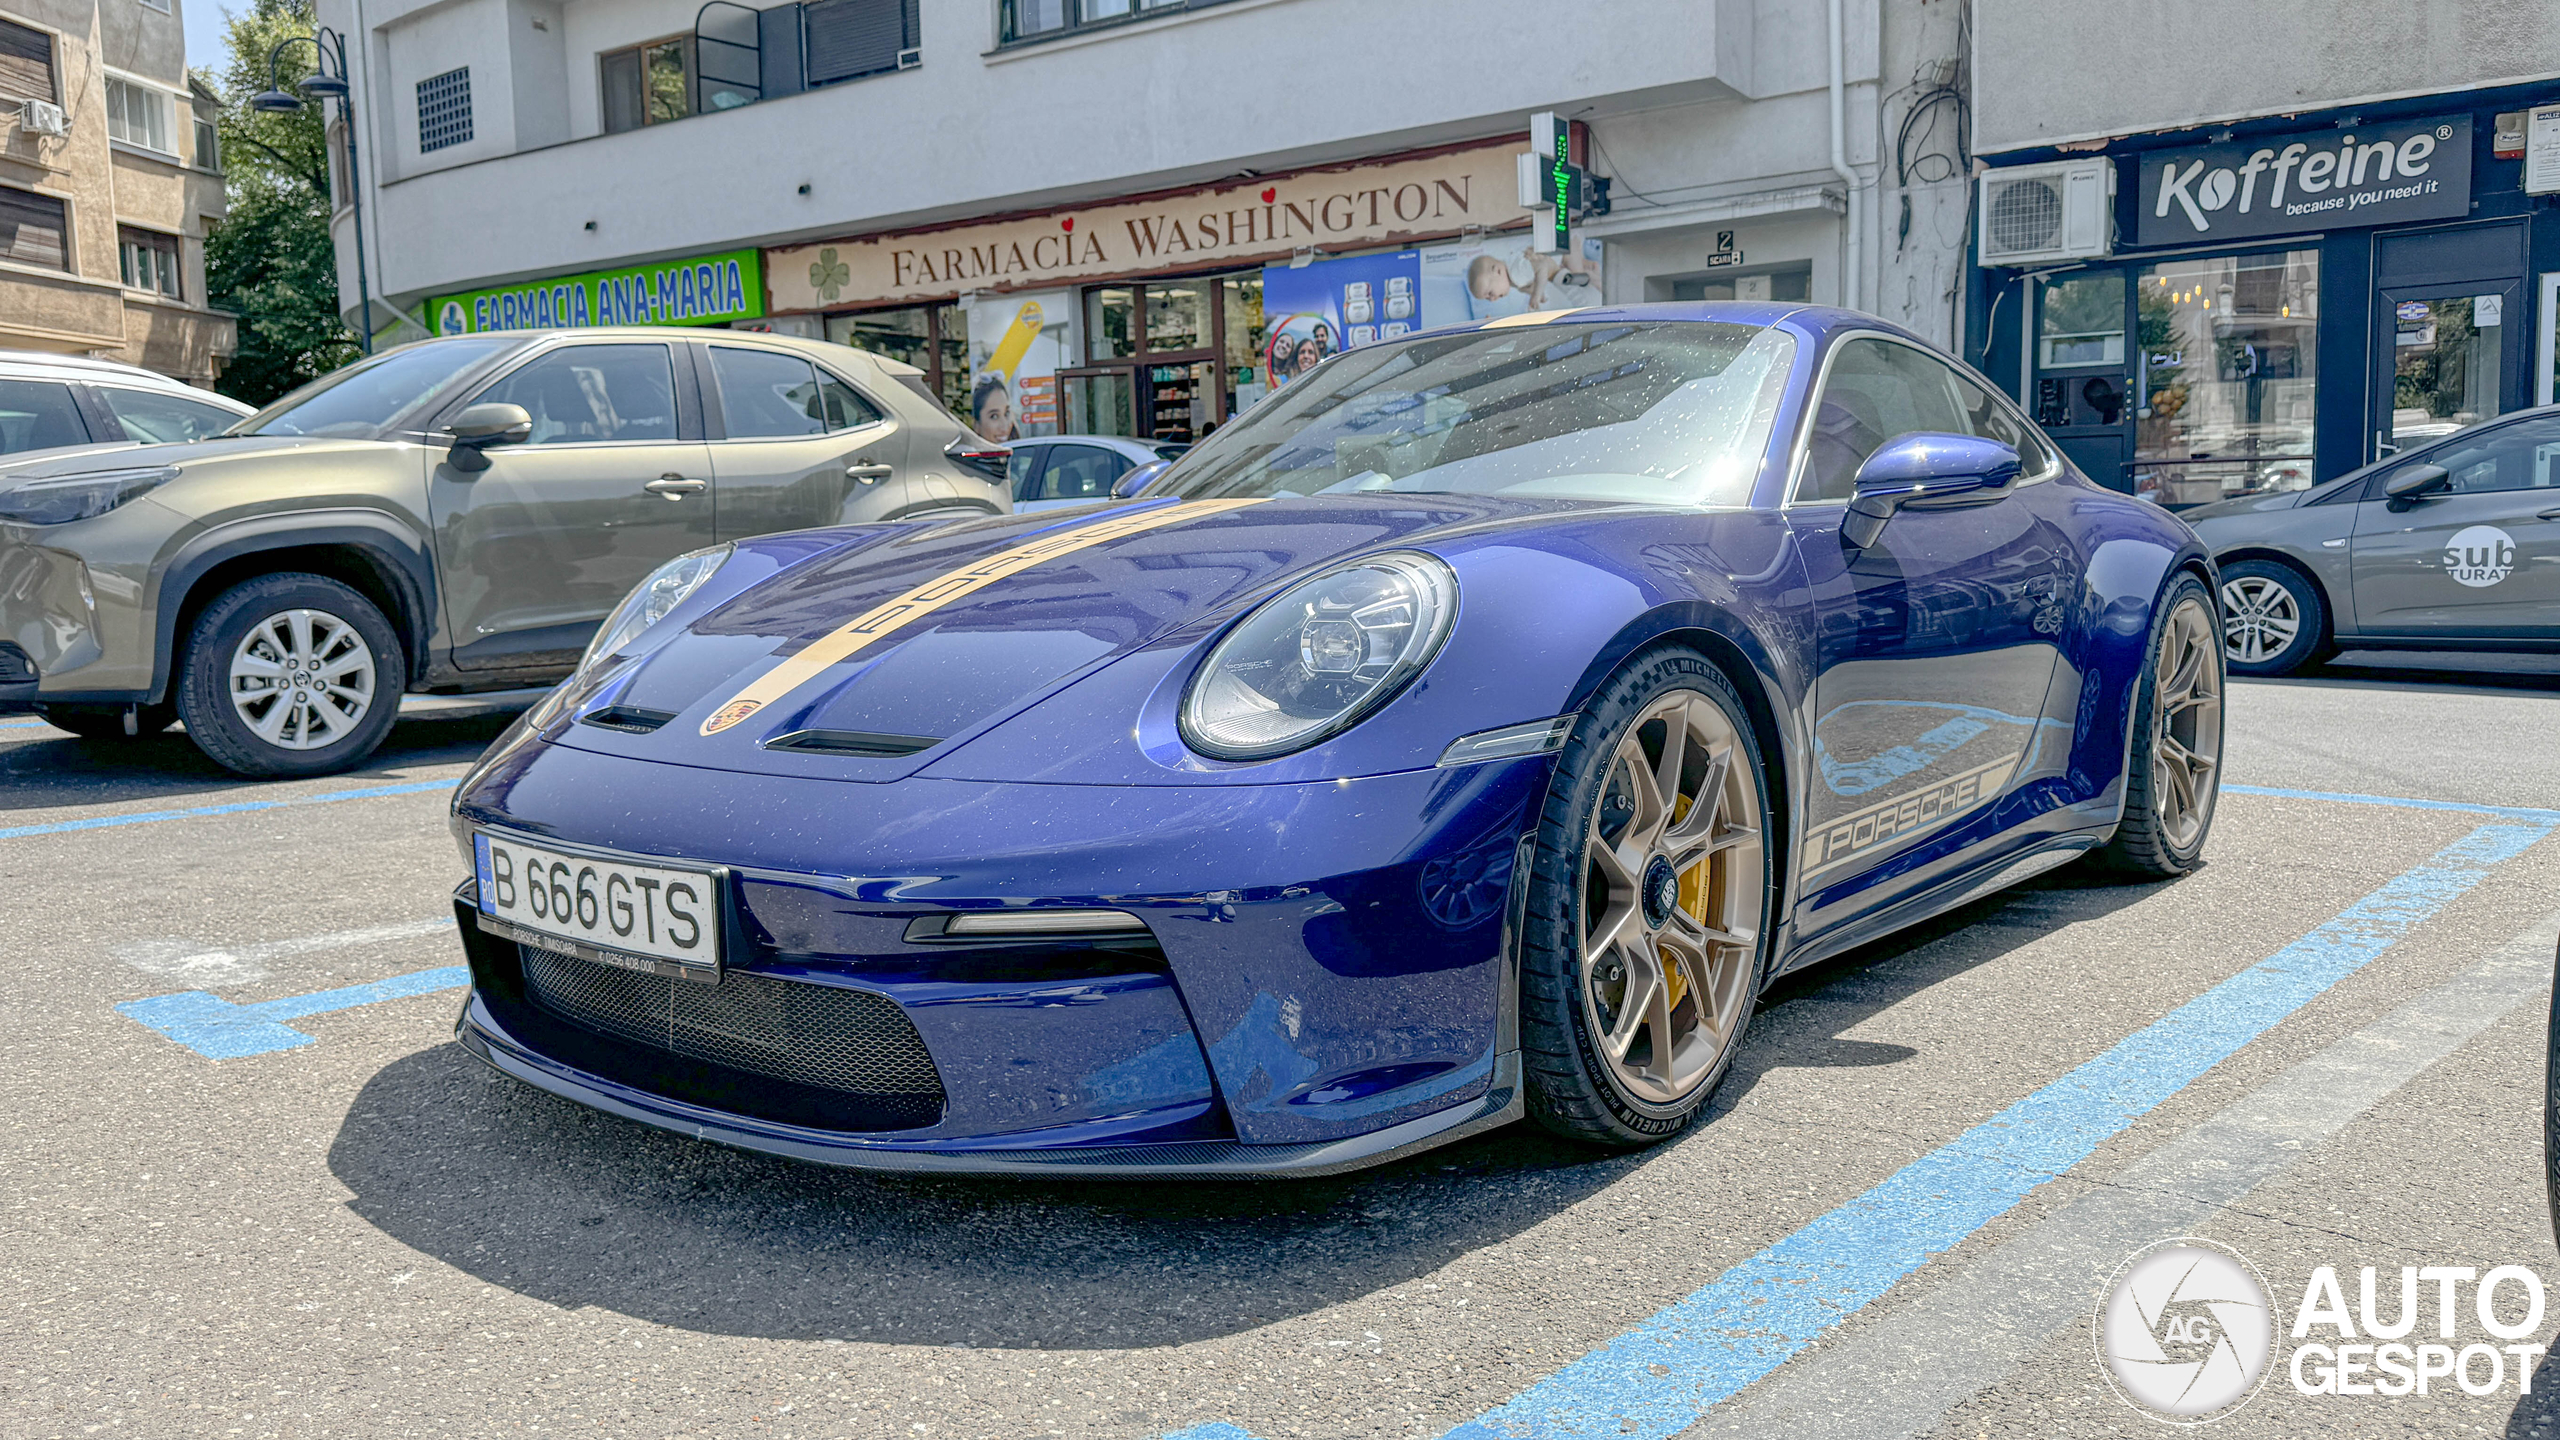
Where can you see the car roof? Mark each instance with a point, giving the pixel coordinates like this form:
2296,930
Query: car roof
38,364
577,334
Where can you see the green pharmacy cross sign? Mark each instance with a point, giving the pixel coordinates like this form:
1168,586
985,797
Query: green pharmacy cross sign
701,290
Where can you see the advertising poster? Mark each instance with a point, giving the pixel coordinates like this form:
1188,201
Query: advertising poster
1500,275
1314,310
1016,344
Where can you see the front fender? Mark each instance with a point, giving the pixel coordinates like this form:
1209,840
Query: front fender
399,553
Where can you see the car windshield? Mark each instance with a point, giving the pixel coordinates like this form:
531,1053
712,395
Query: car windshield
359,401
1674,412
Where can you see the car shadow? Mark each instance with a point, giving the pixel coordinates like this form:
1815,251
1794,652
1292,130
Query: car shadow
1803,1017
2435,672
53,770
568,1205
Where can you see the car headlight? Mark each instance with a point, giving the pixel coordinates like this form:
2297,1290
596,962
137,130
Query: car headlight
59,500
1321,655
649,601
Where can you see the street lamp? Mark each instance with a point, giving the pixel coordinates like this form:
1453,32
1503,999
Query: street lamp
326,84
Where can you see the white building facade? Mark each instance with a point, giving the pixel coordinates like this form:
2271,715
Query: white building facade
1109,215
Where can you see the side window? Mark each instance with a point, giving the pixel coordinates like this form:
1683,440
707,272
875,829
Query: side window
844,405
156,419
1877,390
1987,417
580,394
1024,470
1081,472
35,414
2521,456
765,395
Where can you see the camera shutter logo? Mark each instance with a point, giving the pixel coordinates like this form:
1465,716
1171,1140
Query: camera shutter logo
2185,1330
2480,556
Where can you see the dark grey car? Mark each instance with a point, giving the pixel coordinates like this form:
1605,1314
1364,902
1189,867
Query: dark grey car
2452,546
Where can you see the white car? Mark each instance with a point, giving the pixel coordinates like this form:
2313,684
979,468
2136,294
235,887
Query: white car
1049,471
50,401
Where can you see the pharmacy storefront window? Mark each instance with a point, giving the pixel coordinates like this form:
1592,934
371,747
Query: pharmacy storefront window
2225,375
932,338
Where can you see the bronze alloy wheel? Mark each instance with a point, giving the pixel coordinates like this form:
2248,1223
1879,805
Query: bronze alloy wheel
1671,899
2186,753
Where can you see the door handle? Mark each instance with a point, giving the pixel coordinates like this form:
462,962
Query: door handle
676,487
867,472
2551,514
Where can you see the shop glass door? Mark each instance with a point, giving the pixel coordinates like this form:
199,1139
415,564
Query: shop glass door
2082,377
2442,355
1098,403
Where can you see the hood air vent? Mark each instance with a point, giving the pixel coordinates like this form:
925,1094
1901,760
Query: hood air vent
853,742
629,719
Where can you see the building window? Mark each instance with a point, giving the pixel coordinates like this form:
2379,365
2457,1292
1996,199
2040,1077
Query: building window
444,110
848,39
2227,371
32,228
26,63
148,260
1041,19
208,144
648,84
138,115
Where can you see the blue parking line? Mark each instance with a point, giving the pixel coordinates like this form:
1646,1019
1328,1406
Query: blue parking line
2508,812
219,1030
1763,1311
146,817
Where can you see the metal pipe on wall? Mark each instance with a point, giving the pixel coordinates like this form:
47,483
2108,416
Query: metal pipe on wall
1853,259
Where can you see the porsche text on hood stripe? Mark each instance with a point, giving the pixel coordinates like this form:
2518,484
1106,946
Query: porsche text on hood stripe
797,670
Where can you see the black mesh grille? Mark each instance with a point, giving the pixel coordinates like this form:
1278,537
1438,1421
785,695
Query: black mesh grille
856,1042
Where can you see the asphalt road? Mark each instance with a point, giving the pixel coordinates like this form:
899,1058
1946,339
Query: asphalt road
371,1235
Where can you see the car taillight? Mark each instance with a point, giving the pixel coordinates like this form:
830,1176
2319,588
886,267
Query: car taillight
983,457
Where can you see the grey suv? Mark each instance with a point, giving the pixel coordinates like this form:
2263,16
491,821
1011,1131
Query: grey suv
453,515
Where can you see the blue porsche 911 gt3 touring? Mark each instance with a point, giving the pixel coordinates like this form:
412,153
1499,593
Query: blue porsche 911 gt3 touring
1472,730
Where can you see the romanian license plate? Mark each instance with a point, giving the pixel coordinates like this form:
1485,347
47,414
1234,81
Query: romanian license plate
601,907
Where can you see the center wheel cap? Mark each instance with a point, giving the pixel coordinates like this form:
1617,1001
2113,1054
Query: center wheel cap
1661,892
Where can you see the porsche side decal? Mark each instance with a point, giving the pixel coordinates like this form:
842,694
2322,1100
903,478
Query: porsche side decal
797,670
1853,835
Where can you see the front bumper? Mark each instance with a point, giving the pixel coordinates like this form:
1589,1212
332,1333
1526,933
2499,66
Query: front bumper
1328,981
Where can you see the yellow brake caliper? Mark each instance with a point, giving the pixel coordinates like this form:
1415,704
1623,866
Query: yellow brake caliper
1693,896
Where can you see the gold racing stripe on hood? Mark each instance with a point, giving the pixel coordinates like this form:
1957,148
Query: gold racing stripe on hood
932,595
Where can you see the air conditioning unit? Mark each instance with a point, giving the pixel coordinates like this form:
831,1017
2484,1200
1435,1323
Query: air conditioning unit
2036,213
43,117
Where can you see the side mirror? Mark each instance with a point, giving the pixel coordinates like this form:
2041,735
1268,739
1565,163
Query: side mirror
2416,482
1926,471
493,423
1139,479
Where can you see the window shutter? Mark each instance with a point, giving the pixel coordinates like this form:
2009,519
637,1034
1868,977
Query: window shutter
31,227
444,110
851,38
26,63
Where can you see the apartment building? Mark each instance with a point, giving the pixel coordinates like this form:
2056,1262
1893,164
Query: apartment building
109,181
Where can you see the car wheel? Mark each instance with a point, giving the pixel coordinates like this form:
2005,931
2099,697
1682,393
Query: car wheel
2273,620
291,675
106,722
1647,910
2174,766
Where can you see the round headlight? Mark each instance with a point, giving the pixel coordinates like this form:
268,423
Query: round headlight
650,600
1319,656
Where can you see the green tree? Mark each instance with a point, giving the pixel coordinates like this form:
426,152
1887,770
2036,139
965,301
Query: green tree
271,262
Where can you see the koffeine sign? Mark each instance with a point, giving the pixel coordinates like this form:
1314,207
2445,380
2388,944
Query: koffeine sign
701,290
2317,180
